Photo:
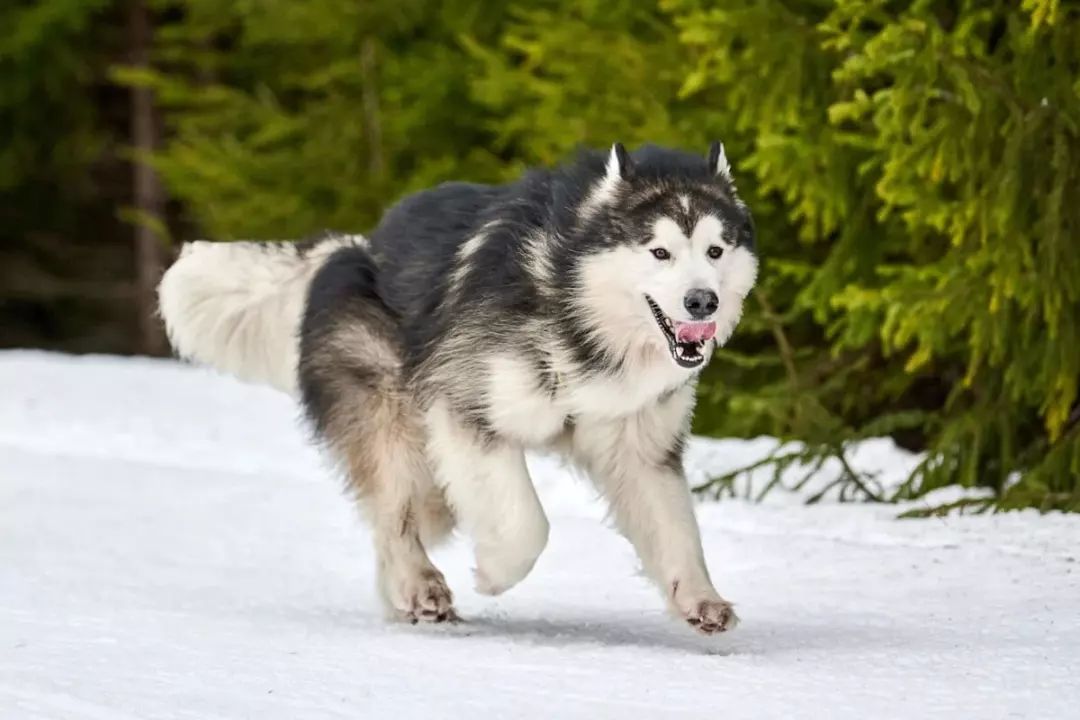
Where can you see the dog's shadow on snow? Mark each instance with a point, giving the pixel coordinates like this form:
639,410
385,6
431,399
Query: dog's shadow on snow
562,632
658,632
755,636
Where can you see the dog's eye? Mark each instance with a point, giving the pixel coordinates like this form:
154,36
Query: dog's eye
660,254
715,251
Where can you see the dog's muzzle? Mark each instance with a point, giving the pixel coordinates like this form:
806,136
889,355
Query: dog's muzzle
686,340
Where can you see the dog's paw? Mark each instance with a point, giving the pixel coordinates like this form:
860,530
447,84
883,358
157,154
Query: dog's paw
708,615
485,585
712,616
491,578
497,573
500,568
424,598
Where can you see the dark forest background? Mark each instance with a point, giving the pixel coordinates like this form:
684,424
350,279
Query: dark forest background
914,168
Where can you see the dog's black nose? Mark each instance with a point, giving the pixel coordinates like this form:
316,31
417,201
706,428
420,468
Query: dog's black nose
701,303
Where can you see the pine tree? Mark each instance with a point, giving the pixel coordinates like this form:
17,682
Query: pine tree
912,169
288,118
927,158
65,256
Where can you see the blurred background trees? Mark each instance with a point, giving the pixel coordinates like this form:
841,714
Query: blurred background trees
914,169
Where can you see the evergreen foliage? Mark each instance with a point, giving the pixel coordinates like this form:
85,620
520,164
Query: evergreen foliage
932,154
913,168
63,257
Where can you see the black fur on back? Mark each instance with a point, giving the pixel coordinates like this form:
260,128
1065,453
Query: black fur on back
343,296
417,243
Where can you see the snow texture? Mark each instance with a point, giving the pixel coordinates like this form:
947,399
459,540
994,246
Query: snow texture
171,546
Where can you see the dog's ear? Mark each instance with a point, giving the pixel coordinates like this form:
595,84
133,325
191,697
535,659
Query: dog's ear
619,166
718,162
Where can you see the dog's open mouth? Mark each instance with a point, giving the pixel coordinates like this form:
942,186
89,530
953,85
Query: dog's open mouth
686,340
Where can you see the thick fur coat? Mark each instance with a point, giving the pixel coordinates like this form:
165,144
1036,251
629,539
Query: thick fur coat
571,310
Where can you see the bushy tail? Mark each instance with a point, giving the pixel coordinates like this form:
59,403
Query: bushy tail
237,306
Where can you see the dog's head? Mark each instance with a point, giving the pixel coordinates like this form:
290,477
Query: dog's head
673,251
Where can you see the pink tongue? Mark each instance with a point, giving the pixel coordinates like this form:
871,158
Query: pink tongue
694,331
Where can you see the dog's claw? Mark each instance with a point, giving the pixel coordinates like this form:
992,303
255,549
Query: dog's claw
707,616
424,597
712,616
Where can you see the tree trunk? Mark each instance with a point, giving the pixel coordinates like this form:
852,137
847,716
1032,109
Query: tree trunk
149,196
370,102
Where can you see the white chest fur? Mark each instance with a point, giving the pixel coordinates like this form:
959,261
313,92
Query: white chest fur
521,406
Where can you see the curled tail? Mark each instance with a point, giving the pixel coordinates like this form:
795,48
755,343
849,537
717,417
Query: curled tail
237,306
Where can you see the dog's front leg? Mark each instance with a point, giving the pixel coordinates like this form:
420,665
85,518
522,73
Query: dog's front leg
487,485
636,464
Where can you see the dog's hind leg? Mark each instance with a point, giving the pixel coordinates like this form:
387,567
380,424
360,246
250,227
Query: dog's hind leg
489,489
389,470
350,382
376,435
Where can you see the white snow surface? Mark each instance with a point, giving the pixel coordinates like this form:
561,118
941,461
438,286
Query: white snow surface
172,546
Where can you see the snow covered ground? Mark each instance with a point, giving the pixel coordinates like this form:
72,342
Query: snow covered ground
170,546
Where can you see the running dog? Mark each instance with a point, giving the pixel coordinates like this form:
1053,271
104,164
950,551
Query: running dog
571,310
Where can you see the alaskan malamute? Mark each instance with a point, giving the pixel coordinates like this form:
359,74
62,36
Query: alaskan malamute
571,310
